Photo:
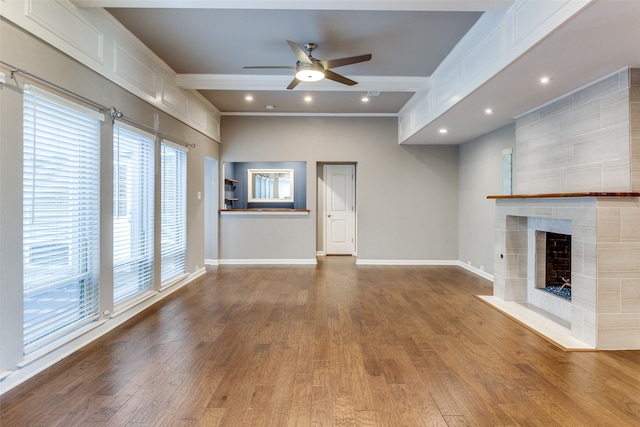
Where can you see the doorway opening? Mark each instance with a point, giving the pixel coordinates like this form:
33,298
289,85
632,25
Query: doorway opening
210,211
337,208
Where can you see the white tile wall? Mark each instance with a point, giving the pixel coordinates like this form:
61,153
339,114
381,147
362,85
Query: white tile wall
618,260
634,107
580,142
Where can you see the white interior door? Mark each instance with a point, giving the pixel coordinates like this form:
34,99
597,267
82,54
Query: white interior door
340,209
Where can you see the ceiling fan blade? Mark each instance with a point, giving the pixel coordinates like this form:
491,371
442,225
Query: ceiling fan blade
299,52
333,63
272,67
339,78
293,83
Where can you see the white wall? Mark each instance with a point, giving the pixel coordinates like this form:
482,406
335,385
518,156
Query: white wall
407,199
480,176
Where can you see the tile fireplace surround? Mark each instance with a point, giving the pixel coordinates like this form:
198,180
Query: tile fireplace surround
604,311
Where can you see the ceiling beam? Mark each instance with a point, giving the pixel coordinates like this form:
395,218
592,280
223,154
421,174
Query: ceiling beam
380,5
271,82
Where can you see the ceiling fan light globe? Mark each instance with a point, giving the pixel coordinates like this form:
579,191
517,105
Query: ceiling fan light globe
310,75
309,72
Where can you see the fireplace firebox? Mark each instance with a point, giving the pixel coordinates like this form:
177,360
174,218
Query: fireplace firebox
558,264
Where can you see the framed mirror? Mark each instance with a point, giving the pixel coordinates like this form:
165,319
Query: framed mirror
270,185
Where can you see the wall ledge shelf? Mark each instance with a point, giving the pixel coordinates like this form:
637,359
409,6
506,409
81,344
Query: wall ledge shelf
561,195
264,212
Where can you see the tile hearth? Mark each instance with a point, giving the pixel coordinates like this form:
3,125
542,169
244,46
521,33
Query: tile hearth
554,329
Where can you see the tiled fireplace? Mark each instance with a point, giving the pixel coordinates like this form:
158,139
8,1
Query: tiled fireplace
577,168
604,311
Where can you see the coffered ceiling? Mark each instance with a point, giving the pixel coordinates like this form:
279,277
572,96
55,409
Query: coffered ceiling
208,42
216,44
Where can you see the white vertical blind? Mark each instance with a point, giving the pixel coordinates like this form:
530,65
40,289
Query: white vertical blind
133,185
61,217
173,227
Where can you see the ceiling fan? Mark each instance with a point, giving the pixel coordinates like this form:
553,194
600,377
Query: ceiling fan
310,69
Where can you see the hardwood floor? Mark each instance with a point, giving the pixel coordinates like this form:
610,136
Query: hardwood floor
332,345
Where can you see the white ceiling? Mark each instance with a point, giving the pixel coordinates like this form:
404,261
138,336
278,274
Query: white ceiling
207,42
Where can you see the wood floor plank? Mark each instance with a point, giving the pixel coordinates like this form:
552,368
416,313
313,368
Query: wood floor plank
301,398
321,406
211,417
328,345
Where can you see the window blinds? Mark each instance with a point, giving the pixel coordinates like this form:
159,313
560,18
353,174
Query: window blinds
61,173
173,228
133,184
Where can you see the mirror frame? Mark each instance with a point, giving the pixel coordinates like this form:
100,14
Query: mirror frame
252,172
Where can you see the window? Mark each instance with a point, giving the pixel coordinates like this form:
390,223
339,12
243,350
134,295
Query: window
173,227
507,160
133,190
61,217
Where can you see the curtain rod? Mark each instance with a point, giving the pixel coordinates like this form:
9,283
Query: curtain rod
117,115
111,111
15,69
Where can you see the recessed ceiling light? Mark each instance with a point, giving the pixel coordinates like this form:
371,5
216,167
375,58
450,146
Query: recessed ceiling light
248,98
488,111
442,130
308,98
365,99
544,80
270,107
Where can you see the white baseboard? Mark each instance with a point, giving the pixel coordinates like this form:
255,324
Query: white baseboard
213,262
466,266
405,262
477,271
268,261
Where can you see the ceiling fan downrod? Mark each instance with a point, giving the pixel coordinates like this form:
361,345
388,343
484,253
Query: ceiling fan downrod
310,47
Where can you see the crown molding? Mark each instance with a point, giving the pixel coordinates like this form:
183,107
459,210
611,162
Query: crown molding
382,5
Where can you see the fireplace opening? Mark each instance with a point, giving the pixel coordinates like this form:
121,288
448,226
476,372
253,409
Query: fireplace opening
558,265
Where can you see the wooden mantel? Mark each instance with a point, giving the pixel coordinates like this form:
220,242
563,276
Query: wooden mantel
560,195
